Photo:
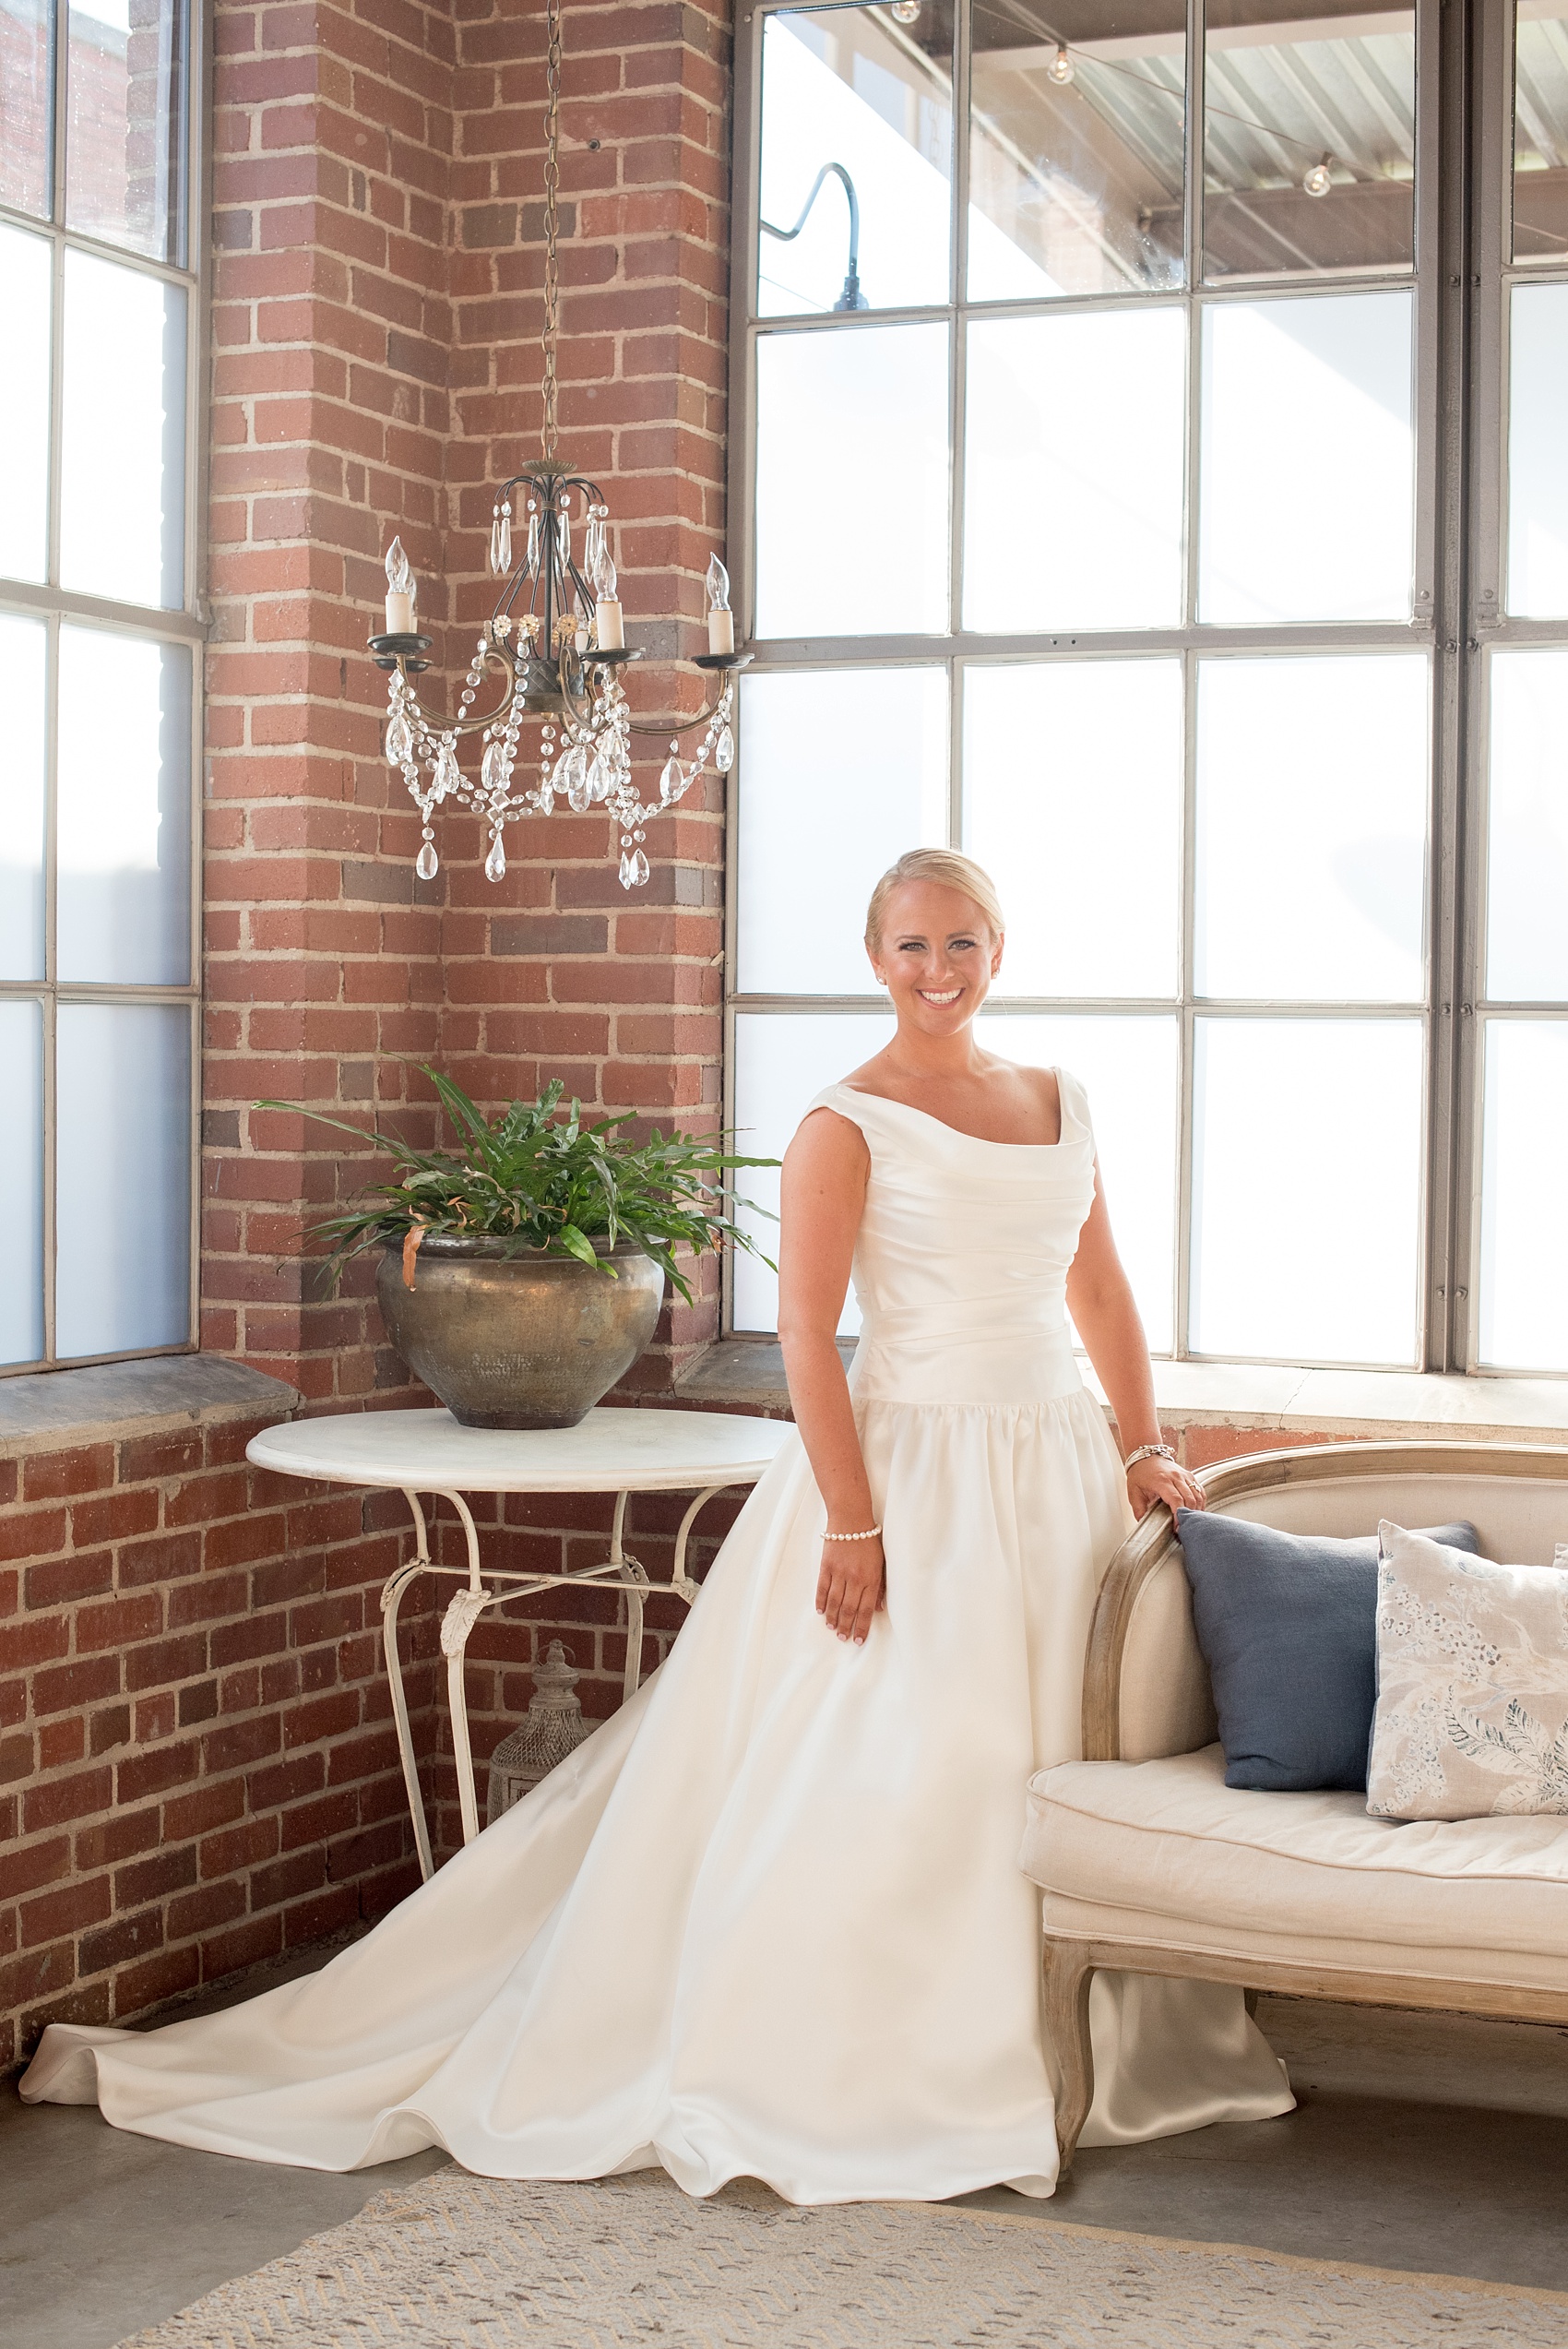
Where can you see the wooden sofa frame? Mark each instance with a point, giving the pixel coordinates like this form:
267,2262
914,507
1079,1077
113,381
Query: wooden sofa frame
1071,1961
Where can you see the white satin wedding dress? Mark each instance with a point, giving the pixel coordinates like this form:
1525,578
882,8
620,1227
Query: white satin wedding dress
768,1920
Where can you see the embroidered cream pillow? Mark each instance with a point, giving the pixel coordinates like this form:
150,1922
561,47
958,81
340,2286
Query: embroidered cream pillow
1472,1685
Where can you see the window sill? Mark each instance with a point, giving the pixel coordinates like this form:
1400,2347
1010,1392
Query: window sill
44,1411
748,1373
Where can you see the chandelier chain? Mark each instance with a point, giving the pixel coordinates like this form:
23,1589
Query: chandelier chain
552,223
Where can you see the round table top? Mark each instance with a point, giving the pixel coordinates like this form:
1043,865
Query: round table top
609,1451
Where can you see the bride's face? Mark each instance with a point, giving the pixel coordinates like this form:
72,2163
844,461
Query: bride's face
936,957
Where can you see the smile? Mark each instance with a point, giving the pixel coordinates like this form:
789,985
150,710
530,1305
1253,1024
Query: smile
930,996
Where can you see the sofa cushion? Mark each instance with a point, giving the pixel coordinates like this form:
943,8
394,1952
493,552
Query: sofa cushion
1166,1852
1287,1627
1472,1681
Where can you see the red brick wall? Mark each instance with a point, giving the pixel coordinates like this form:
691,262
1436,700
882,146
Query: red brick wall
198,1767
377,304
559,972
332,142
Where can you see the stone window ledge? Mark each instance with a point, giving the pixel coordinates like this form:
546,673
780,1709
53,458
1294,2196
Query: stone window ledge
748,1373
45,1410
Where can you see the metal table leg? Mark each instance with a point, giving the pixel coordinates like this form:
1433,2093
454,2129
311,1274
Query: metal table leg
391,1600
463,1612
619,1571
679,1582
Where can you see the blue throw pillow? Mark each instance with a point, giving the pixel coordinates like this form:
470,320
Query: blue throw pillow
1288,1626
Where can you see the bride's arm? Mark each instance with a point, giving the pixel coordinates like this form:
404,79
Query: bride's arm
1099,1298
823,1199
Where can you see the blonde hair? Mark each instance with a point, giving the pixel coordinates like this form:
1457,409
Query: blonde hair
951,870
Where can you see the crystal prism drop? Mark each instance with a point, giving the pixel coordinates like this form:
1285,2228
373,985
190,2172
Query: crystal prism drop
571,777
724,751
598,783
503,539
424,863
447,773
534,546
672,782
625,869
400,739
495,863
639,868
495,544
492,766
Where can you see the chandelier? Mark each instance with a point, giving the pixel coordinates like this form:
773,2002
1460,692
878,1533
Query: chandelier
553,651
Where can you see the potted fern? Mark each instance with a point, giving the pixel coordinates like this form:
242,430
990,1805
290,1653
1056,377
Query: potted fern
521,1274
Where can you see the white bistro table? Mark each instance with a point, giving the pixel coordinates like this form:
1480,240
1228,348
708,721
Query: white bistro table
427,1451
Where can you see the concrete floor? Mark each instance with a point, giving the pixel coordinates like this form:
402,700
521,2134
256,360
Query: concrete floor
1433,2143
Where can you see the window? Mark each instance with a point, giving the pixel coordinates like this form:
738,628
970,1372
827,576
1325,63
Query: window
1104,517
98,678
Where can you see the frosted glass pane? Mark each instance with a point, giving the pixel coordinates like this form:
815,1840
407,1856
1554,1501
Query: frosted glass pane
122,528
1076,187
1312,819
839,772
22,652
1538,459
24,405
1074,452
1128,1067
123,1187
1307,493
124,141
846,86
1527,828
853,439
1307,1189
21,1091
1523,1273
780,1063
1540,130
27,78
124,821
1073,799
1331,92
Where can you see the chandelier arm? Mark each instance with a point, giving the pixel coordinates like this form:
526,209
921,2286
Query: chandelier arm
679,725
439,725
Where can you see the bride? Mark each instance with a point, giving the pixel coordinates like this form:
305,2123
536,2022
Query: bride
768,1919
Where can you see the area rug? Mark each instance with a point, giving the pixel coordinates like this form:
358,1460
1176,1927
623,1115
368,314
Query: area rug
461,2262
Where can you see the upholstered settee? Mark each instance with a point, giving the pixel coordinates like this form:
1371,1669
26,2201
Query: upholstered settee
1149,1864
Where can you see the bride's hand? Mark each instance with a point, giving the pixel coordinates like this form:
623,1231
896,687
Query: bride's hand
1162,1480
851,1586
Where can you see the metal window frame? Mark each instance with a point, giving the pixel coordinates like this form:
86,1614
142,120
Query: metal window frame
1464,115
1488,627
55,605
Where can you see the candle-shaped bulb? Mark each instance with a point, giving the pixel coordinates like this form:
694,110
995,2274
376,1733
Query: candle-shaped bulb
602,569
720,619
400,592
608,624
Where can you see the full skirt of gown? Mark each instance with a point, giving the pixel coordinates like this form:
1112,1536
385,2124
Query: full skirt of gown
768,1919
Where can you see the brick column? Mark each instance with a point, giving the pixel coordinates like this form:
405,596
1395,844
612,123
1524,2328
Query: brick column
329,419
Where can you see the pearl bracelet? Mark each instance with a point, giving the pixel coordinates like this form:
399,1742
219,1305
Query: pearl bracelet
868,1536
1148,1452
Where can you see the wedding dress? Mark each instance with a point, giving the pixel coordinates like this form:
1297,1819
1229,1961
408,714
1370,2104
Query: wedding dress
768,1920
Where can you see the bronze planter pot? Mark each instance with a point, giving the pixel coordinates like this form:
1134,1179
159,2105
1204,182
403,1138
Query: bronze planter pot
522,1340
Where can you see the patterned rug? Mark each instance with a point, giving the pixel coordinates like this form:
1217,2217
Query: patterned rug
461,2262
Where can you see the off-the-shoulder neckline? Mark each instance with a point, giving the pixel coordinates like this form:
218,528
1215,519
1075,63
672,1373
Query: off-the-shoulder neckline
858,1093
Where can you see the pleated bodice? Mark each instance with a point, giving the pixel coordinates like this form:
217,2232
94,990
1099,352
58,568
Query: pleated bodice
960,1267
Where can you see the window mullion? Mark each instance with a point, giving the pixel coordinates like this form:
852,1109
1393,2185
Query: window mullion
1185,1009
